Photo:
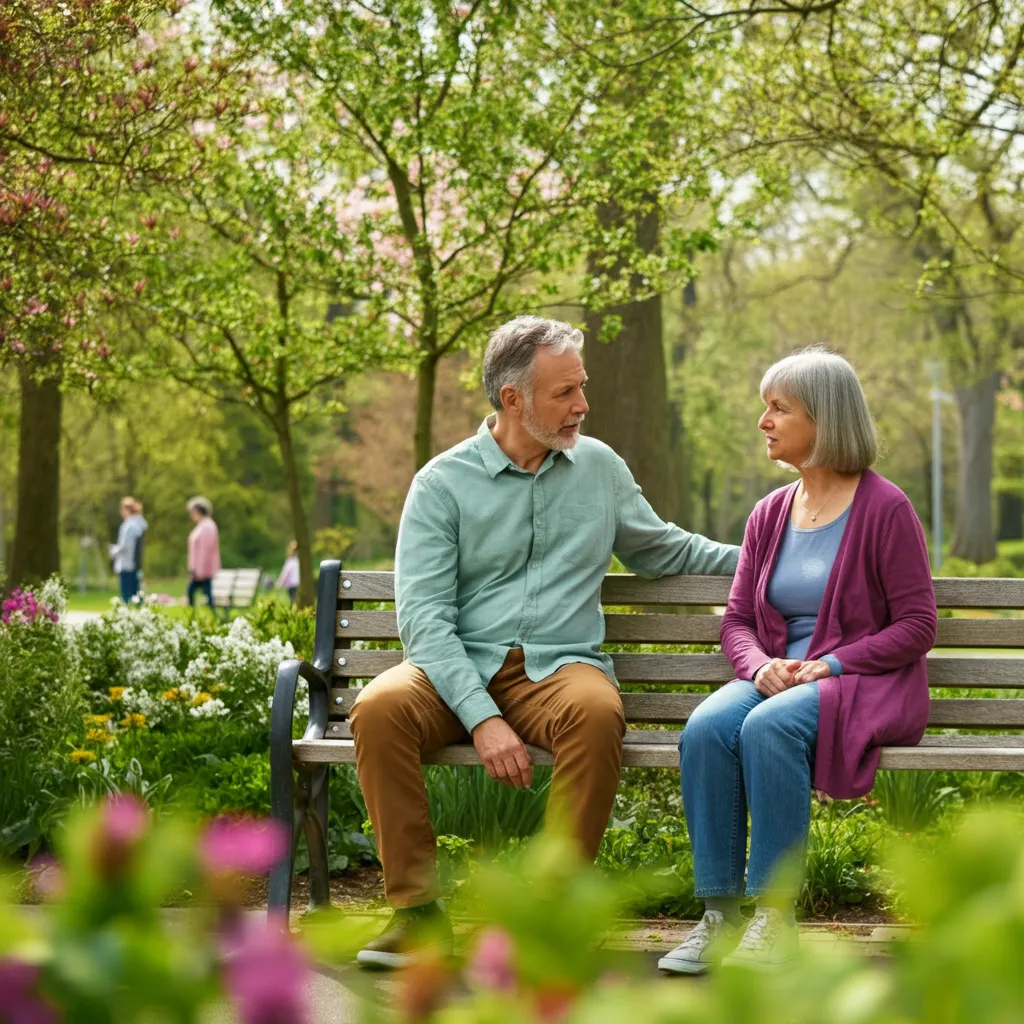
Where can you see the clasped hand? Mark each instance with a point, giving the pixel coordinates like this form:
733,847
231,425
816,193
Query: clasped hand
781,673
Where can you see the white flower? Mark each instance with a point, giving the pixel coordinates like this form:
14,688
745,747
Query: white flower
213,708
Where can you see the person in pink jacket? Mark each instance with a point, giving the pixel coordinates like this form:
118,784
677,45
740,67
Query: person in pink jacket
203,550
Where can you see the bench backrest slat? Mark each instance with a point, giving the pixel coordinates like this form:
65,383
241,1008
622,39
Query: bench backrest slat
653,708
662,628
680,669
711,590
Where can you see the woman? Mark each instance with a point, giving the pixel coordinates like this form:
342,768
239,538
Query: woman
203,550
288,579
830,616
127,552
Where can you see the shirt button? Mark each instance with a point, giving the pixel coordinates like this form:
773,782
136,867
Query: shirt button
534,565
539,522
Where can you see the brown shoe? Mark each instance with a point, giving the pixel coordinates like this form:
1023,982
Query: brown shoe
410,932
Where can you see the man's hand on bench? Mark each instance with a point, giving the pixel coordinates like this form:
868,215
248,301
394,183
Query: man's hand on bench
503,753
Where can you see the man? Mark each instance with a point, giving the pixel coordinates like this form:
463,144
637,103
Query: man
503,545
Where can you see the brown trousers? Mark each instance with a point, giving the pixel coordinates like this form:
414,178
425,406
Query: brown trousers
575,713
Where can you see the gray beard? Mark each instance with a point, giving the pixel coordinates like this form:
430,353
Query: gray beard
545,436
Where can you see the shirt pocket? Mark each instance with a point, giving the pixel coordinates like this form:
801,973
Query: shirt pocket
584,540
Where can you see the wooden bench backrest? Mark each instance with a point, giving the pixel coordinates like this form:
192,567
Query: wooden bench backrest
973,672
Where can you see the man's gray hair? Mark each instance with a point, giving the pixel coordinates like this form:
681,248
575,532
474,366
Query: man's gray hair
827,386
513,346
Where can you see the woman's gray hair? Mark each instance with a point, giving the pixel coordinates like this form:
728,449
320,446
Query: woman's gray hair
513,346
202,505
826,385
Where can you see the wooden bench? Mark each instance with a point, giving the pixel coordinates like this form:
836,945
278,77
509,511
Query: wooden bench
299,768
236,588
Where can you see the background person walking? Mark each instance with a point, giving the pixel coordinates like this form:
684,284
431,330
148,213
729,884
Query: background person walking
203,550
127,552
289,575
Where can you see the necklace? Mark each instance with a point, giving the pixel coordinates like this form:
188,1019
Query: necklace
814,515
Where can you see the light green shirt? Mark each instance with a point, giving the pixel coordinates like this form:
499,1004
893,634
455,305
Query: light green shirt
492,557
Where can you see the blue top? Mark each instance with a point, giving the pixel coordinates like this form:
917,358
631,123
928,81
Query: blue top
797,585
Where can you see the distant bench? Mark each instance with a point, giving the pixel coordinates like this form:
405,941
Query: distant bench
299,768
236,588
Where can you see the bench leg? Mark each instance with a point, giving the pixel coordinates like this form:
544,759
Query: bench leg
316,838
291,815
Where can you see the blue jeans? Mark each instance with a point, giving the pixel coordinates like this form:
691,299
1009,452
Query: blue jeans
203,586
129,584
740,750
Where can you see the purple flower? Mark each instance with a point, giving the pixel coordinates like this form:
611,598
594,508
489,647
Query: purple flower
266,974
492,965
18,997
242,846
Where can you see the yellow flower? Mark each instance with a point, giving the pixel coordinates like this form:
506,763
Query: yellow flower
97,719
82,755
201,698
172,694
217,687
134,721
99,736
116,692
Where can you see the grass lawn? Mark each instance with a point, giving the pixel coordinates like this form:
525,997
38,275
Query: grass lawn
98,600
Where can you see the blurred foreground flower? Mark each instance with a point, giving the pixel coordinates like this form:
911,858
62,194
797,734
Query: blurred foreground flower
266,973
20,1002
242,846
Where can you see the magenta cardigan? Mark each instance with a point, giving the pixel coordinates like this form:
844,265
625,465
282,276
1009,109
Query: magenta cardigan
877,617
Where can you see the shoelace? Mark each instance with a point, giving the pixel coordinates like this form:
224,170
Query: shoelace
707,930
762,929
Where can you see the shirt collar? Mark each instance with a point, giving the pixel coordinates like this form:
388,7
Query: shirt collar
494,459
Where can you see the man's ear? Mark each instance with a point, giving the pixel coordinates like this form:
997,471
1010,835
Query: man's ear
511,399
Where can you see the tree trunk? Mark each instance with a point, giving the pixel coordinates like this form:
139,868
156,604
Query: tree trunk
36,553
974,537
306,594
426,382
628,383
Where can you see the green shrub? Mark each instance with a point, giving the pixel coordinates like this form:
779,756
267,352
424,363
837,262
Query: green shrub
42,701
841,849
912,800
467,803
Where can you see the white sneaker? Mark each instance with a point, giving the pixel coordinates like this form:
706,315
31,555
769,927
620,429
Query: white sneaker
701,947
770,943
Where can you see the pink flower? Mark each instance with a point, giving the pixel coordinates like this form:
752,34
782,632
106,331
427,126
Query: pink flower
122,823
265,975
18,996
34,307
46,876
125,818
19,347
242,846
491,966
140,286
191,63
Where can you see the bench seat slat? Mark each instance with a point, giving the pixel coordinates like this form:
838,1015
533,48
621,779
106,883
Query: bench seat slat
993,673
665,755
710,590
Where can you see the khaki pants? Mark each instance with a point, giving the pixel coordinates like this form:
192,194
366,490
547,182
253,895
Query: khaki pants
575,713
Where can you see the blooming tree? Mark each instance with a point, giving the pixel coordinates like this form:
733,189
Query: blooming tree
93,97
